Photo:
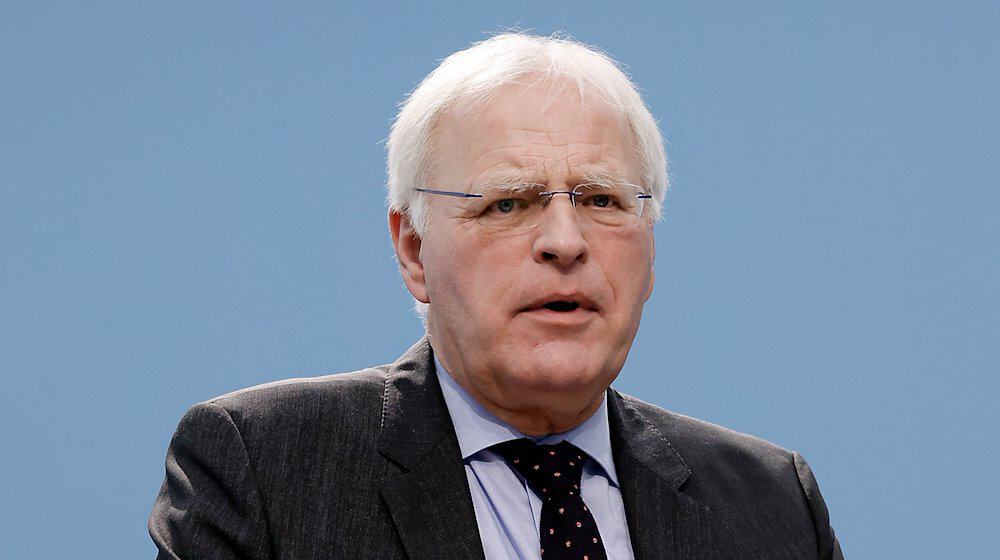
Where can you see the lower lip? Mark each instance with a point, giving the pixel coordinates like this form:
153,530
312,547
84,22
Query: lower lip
576,317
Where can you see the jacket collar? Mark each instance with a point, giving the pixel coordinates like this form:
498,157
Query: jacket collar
429,497
414,416
428,494
663,521
635,439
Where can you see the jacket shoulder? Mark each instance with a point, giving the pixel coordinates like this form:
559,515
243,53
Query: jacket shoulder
341,402
707,445
285,394
753,485
299,454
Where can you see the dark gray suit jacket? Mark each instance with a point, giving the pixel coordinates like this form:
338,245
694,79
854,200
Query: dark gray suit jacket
367,465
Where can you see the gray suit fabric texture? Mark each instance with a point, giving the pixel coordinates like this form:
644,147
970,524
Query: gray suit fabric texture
367,465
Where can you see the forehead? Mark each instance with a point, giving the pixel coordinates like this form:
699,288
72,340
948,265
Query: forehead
539,132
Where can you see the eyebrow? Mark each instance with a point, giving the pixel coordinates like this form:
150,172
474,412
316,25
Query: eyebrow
605,178
521,184
511,184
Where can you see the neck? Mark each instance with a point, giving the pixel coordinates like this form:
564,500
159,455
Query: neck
542,423
534,421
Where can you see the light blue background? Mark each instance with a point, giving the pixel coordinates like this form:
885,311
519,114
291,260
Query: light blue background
191,201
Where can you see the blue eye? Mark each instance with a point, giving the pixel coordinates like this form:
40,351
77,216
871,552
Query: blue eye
601,201
506,205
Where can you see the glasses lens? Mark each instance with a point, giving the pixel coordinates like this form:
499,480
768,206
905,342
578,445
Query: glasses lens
608,205
510,208
612,205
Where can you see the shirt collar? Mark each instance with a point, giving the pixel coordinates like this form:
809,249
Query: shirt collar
478,429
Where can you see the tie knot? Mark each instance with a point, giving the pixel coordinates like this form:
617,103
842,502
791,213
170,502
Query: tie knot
549,469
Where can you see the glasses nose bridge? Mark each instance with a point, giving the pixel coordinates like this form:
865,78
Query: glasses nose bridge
548,195
552,215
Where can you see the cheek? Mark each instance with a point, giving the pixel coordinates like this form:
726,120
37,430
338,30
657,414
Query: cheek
490,274
471,280
627,268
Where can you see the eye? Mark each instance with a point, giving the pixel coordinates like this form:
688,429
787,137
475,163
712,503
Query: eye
601,201
506,205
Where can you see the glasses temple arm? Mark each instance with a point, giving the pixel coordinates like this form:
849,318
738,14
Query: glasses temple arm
451,193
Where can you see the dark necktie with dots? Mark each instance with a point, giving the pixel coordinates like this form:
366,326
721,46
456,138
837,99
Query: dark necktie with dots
553,472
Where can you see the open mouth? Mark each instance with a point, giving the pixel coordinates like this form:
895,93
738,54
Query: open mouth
575,306
563,310
562,306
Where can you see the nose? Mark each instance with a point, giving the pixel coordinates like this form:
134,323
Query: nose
559,238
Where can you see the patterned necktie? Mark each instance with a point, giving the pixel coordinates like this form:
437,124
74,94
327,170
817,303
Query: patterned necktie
553,472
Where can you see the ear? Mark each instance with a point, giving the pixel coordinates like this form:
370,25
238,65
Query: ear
407,244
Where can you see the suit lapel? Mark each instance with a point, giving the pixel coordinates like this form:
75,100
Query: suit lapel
428,495
663,522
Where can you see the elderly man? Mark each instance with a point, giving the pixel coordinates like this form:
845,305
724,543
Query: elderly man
525,176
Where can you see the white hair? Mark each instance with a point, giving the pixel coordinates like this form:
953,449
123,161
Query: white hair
475,75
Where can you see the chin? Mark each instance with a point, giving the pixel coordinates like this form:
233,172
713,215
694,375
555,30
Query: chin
562,368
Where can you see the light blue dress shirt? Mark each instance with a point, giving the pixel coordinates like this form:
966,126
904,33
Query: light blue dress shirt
507,510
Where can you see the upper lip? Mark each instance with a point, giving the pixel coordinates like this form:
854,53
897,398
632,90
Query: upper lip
580,299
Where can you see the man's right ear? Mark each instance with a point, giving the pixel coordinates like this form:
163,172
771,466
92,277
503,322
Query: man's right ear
407,242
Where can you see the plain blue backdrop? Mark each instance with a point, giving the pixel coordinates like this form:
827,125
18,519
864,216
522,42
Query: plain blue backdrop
192,201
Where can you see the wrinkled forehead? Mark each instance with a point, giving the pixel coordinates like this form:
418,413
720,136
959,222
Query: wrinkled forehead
533,125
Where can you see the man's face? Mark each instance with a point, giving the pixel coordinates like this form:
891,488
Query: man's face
488,321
